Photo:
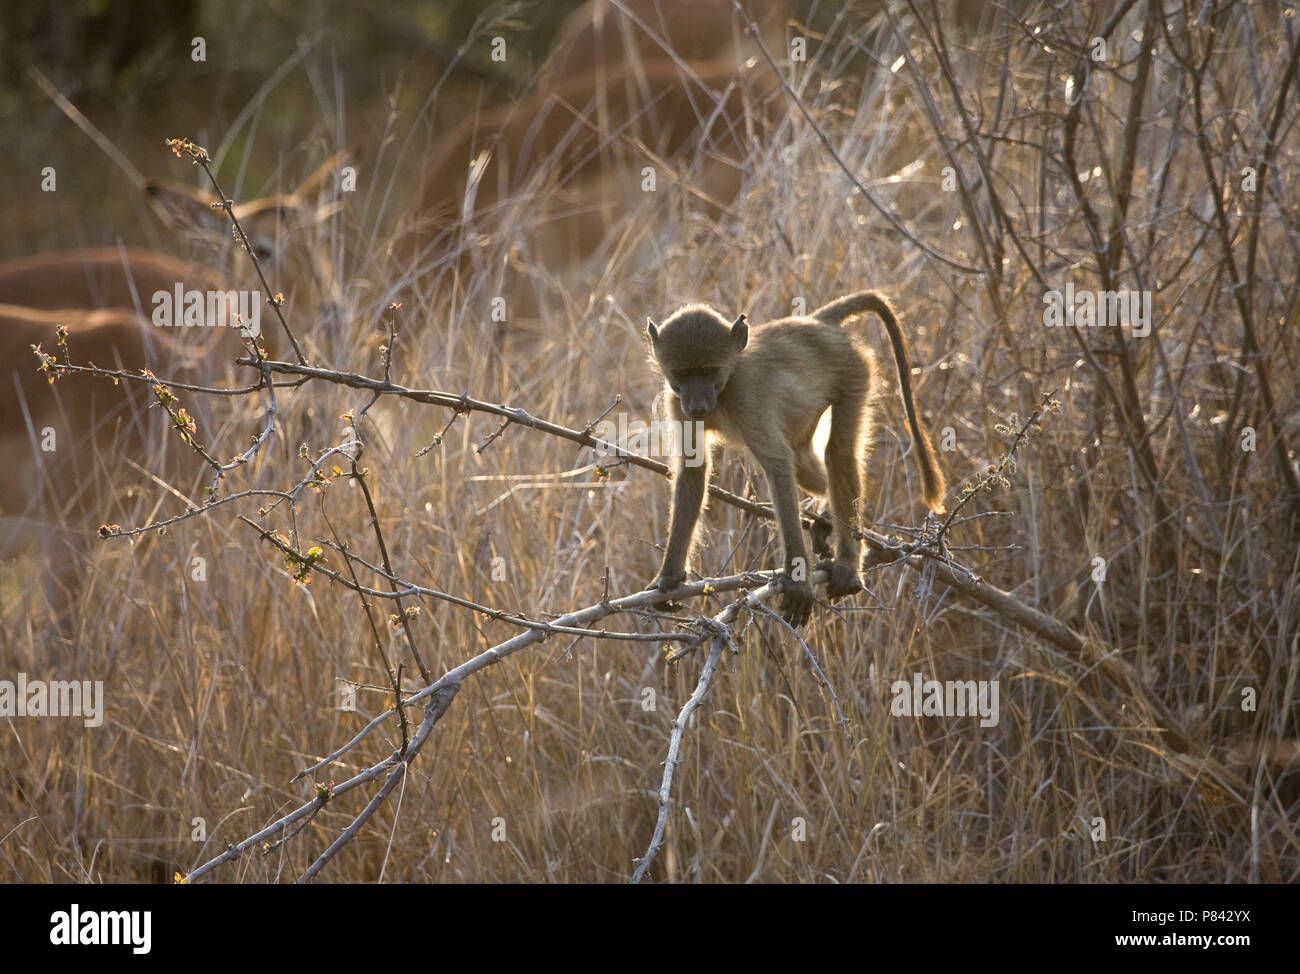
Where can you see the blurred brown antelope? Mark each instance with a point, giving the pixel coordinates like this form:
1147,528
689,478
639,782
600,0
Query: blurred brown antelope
106,277
612,35
573,157
69,449
72,450
279,230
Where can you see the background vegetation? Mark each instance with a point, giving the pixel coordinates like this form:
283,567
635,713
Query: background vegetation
1128,177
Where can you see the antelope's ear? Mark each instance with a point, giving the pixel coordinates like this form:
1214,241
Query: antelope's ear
183,208
325,211
651,330
739,333
323,180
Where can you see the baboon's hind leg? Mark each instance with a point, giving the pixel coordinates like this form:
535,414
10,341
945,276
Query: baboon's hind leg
844,454
810,471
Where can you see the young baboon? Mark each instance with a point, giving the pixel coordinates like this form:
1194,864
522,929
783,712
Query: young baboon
768,389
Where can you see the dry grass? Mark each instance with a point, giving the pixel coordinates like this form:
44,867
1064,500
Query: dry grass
219,691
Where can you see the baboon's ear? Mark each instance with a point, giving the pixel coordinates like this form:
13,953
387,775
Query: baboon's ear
739,333
651,330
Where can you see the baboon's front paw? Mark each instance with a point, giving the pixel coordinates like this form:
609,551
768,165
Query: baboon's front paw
666,583
844,580
796,601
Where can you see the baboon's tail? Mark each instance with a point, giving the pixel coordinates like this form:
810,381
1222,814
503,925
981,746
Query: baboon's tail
836,313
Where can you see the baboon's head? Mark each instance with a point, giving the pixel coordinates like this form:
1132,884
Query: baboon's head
696,351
